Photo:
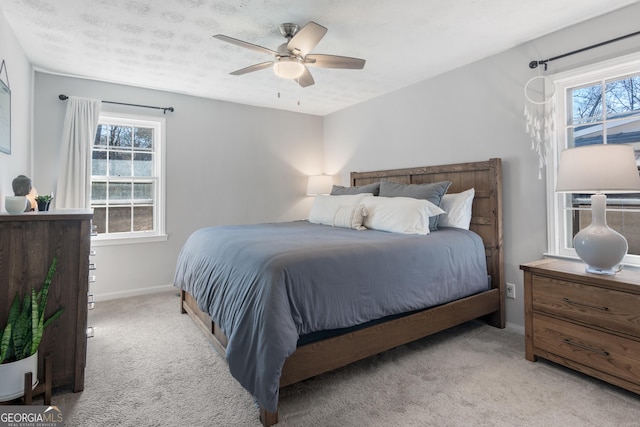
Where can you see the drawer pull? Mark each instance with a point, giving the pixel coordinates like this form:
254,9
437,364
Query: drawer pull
585,347
597,307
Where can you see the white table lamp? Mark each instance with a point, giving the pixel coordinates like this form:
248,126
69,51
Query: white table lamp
599,169
319,184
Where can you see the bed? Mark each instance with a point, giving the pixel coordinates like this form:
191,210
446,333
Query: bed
317,351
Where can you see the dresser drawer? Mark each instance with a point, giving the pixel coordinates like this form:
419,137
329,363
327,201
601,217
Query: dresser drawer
608,353
606,308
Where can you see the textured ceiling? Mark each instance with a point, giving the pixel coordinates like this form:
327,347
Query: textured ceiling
167,45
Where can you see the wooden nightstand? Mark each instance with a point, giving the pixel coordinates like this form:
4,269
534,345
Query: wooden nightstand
587,322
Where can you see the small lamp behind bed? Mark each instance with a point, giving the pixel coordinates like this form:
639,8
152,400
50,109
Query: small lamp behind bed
319,184
599,169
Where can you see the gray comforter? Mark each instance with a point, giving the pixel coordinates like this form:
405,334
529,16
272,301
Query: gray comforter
265,285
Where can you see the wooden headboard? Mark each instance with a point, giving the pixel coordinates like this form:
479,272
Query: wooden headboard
486,178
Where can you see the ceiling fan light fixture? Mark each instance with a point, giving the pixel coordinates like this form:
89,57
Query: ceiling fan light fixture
288,67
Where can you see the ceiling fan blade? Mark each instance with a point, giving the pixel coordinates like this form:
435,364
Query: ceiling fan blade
334,61
306,79
244,44
252,68
306,38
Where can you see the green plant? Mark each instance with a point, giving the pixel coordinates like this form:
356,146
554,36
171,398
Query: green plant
22,335
44,198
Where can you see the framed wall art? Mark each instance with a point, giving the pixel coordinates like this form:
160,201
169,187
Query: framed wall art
5,113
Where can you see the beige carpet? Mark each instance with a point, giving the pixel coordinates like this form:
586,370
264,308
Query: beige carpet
148,365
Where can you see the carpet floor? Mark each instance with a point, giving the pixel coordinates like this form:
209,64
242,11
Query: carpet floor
149,365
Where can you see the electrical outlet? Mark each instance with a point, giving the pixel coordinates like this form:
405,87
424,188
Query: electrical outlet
511,290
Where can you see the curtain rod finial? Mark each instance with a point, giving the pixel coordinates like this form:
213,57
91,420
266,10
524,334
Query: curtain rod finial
63,97
533,64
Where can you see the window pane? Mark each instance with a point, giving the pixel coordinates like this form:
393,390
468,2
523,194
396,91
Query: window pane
624,131
143,218
143,138
100,219
143,192
119,163
120,136
587,135
120,219
142,164
585,104
120,192
98,192
619,217
99,163
102,135
623,97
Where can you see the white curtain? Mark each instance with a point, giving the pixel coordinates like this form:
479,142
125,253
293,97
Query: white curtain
73,189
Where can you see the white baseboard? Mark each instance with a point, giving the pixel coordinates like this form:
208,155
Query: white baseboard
134,292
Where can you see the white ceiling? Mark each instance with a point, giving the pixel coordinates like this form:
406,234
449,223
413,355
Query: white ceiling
167,45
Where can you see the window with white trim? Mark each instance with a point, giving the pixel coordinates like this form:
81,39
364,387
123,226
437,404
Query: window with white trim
127,178
600,105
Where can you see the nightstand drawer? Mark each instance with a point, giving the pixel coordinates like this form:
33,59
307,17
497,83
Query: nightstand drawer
608,353
606,308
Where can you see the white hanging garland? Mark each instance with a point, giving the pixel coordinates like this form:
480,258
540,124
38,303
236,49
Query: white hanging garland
540,117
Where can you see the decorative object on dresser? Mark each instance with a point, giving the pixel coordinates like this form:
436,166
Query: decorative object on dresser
15,204
43,202
599,169
21,337
65,234
586,322
22,187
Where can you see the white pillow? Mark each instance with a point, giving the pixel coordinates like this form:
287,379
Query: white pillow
338,211
399,214
458,209
350,217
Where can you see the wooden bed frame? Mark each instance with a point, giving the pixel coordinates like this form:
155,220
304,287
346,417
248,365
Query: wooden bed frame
332,353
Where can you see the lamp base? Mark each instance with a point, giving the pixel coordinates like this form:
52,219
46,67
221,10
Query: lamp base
609,272
600,247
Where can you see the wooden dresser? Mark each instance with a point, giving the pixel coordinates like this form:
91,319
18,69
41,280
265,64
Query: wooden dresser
28,243
587,322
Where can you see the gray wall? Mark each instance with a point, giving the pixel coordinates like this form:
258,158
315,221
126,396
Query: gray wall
226,164
20,80
475,113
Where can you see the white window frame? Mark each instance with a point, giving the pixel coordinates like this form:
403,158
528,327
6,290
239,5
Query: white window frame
159,232
556,215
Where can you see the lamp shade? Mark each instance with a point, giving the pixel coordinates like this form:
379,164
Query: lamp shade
319,184
601,168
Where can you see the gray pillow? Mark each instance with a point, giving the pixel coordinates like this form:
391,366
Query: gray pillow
339,190
432,192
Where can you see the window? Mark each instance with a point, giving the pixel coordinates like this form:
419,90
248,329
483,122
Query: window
127,178
596,106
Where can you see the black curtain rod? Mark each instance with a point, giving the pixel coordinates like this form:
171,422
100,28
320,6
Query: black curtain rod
534,64
164,109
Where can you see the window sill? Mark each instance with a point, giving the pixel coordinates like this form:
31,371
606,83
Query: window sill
113,241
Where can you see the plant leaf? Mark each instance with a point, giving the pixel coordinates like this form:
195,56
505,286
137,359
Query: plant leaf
37,319
5,343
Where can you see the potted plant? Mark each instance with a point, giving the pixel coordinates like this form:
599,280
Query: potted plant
43,202
21,338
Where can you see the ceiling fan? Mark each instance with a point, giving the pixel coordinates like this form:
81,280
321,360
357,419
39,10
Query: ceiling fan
292,57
